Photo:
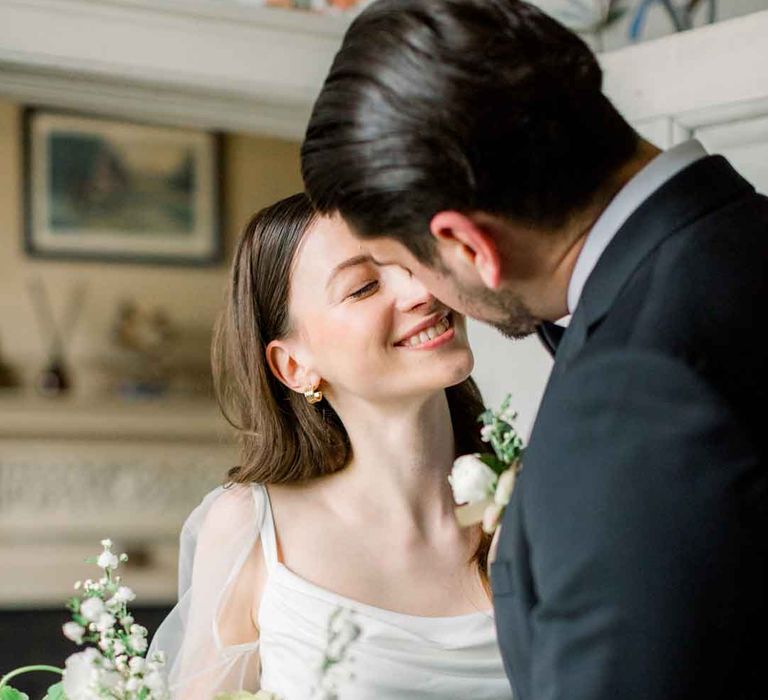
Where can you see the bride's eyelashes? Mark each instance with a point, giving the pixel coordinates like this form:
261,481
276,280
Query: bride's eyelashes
364,291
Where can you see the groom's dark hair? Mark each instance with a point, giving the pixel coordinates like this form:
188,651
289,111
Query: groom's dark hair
467,105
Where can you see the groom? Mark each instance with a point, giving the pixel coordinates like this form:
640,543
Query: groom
470,142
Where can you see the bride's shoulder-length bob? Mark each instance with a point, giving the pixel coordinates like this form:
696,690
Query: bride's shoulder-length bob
282,438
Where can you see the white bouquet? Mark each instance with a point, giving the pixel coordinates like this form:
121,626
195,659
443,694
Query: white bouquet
115,666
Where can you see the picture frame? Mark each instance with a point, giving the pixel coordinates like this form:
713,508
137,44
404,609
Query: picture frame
104,189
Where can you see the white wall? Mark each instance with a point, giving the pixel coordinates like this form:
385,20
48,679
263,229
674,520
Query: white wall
517,367
657,23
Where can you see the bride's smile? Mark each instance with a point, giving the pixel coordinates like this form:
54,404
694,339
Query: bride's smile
429,334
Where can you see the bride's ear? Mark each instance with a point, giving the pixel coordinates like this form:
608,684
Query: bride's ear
287,368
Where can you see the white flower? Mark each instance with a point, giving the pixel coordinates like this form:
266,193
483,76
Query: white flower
105,622
139,644
471,480
126,621
92,586
107,560
124,594
505,487
109,680
139,630
118,648
485,433
342,632
137,664
81,675
106,543
155,682
508,416
133,685
158,658
73,632
91,608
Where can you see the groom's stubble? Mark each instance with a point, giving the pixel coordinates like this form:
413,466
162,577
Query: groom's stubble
503,309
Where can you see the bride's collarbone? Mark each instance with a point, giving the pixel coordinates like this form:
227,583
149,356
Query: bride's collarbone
380,566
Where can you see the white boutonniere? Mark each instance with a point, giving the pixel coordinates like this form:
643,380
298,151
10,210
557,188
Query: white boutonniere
483,483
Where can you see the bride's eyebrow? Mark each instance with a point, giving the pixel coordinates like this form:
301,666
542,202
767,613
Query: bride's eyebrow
352,262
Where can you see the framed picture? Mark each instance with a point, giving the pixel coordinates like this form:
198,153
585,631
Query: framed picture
103,189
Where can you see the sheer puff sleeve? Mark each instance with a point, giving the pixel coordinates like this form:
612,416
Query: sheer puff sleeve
209,638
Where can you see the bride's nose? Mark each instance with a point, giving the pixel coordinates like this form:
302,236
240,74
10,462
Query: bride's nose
410,293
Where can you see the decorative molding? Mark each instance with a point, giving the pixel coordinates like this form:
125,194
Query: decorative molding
73,472
232,66
63,491
222,65
717,67
155,103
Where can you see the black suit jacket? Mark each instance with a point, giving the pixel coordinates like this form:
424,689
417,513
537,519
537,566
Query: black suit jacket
633,556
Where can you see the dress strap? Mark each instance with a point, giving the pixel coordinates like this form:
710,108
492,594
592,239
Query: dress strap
268,534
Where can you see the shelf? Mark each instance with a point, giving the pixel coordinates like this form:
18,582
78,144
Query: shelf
194,420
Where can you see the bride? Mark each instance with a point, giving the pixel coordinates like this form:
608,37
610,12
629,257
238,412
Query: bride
349,386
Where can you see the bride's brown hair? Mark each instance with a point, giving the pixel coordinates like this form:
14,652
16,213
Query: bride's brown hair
283,438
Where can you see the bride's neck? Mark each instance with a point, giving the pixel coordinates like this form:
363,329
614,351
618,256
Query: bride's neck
402,456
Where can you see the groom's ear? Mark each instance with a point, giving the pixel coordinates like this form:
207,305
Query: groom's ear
463,242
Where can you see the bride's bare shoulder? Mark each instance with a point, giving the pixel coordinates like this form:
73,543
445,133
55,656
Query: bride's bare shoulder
232,508
231,525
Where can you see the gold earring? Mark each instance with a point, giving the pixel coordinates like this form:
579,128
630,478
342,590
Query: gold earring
313,396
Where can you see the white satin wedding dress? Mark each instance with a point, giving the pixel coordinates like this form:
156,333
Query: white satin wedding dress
396,656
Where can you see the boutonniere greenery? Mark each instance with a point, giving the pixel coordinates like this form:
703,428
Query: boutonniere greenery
483,483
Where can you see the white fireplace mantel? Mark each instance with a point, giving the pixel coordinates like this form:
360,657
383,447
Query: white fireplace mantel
234,66
215,64
74,470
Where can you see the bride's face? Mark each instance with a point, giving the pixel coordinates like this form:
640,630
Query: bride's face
369,330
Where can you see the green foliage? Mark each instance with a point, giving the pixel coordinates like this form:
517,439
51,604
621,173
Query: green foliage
499,432
8,693
493,462
55,692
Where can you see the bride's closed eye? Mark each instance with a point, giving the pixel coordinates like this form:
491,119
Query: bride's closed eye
364,291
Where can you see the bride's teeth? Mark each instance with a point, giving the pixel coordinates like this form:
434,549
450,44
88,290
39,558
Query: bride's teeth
429,334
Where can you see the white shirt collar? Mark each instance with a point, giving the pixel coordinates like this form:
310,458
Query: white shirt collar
661,169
